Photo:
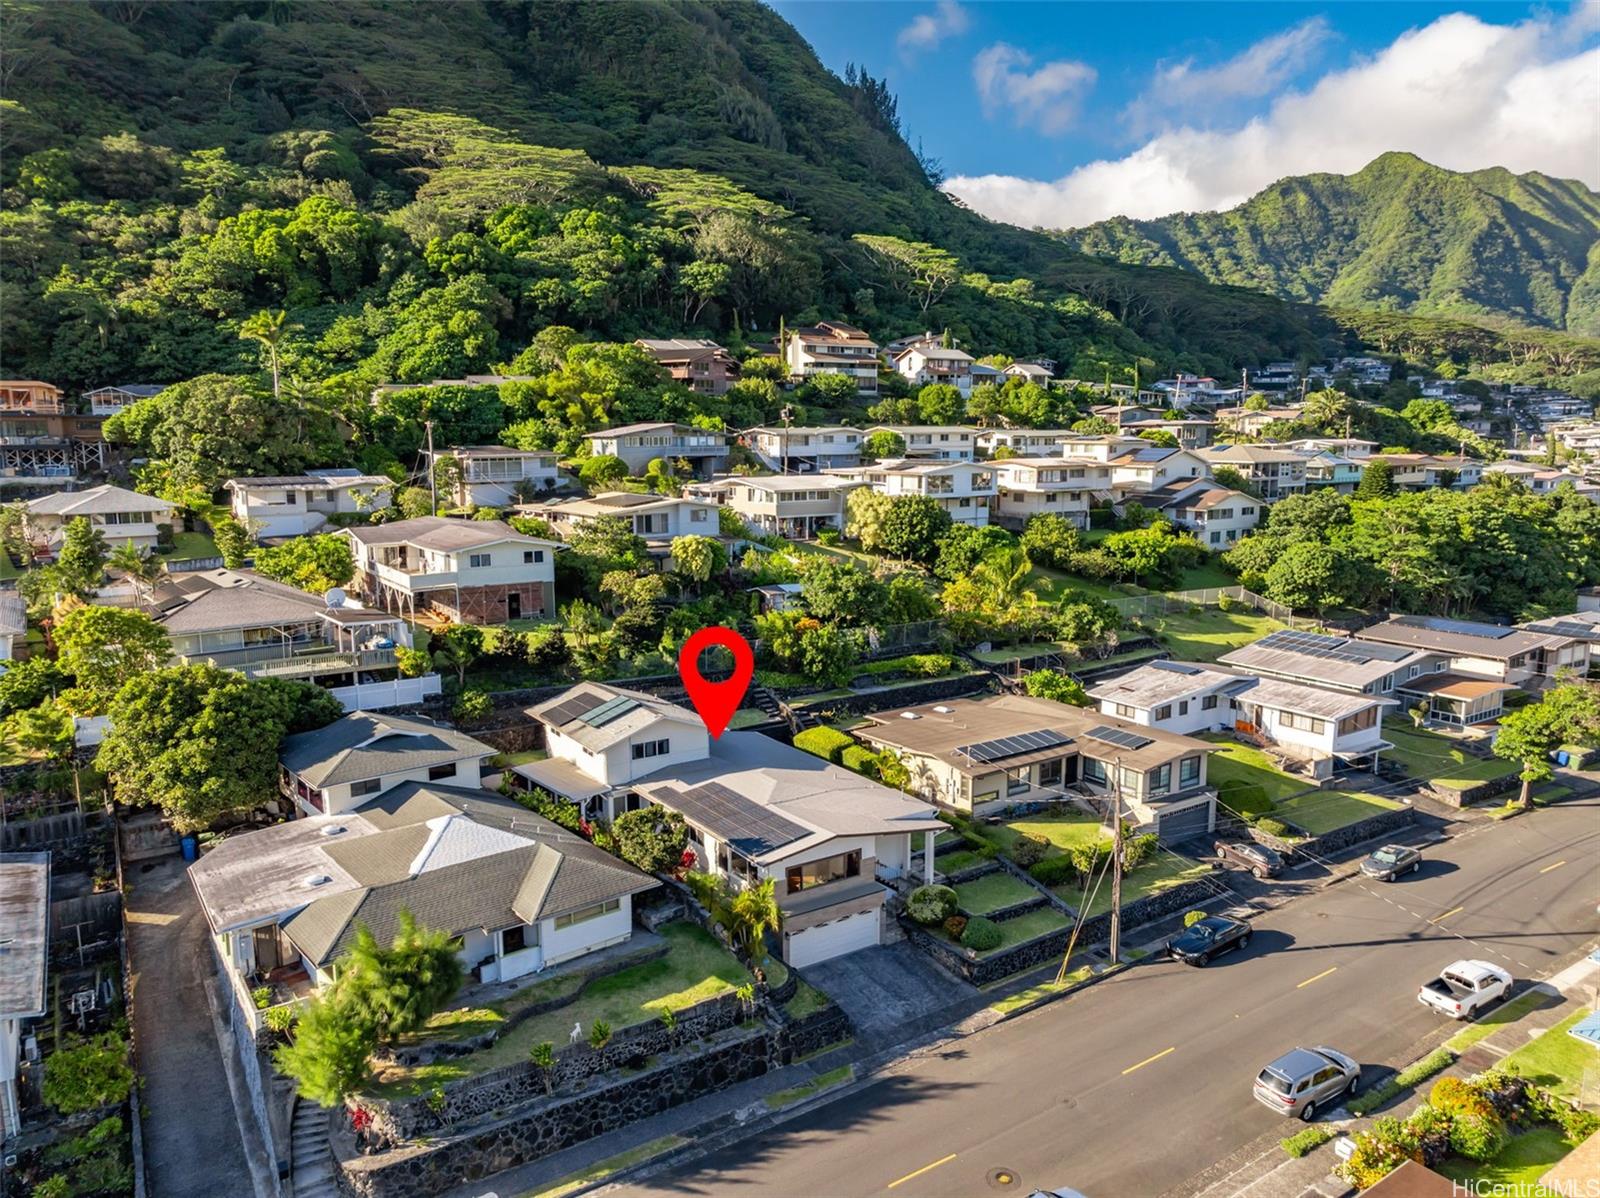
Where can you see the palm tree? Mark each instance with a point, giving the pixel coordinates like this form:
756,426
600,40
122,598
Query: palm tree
268,328
140,568
754,912
1003,575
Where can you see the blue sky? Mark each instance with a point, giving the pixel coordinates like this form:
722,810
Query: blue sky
1061,113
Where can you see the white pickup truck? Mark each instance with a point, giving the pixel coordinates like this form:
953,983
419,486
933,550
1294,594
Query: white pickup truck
1465,988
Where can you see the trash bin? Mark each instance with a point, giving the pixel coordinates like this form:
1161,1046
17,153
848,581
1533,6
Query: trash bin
191,847
1562,758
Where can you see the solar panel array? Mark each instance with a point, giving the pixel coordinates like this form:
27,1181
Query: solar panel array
729,816
1566,628
573,708
1116,736
1155,453
1012,746
610,710
1314,644
1488,632
1174,667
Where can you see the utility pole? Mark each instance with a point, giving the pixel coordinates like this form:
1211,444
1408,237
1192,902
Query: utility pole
1116,863
433,482
783,451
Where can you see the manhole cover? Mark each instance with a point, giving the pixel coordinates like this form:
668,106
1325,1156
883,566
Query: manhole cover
1002,1179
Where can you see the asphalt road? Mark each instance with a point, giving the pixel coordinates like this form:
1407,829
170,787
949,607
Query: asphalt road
1135,1085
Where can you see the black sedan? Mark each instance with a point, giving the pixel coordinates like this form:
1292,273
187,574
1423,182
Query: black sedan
1389,862
1257,858
1208,937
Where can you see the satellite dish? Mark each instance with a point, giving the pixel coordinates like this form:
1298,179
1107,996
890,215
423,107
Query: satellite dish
334,597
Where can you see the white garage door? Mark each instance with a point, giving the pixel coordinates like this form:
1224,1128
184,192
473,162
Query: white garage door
832,939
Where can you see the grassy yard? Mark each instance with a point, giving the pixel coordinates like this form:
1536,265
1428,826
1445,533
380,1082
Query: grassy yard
1161,872
696,968
747,717
1324,810
1435,758
1011,653
8,569
507,760
1206,575
807,999
992,892
1051,584
1207,634
190,545
1246,780
1026,927
1065,831
1521,1163
1560,1063
1491,1022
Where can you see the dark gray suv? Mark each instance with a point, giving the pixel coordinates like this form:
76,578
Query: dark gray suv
1305,1080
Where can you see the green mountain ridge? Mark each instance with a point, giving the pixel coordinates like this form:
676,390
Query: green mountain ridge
1399,234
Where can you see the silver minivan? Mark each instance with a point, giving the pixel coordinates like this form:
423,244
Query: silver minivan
1304,1080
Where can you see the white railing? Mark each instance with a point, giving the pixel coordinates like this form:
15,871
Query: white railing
401,692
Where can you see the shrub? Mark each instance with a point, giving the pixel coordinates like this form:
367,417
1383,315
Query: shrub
599,1034
954,926
1306,1141
981,934
930,905
1478,1137
829,536
1438,1059
1028,851
860,759
1052,871
413,663
1190,918
827,743
262,997
280,1019
651,838
1453,1096
1273,827
473,705
1377,1152
88,1075
55,1186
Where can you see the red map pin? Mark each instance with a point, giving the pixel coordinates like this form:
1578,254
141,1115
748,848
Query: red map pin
716,701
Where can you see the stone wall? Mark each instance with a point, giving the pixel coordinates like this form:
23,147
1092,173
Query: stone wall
812,1033
1468,795
911,695
555,1123
1318,847
1097,928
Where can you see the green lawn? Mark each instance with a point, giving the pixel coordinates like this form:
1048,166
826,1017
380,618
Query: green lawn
747,717
8,569
807,999
1559,1063
506,760
1011,653
1065,831
1521,1163
696,968
190,545
952,863
1491,1022
1207,574
1051,584
1435,758
598,1172
1207,634
1324,810
1161,872
824,1081
992,892
1026,927
1246,780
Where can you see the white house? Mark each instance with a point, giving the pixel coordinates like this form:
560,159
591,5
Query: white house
942,442
1028,487
1093,447
13,623
1274,472
1218,516
464,571
24,995
803,448
832,347
339,768
1024,442
1141,470
963,489
795,506
756,809
125,517
108,401
656,518
295,505
498,476
640,444
925,363
1174,696
1516,658
1030,372
1332,662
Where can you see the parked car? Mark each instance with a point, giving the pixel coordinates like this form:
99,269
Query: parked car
1257,858
1465,988
1304,1080
1207,938
1389,862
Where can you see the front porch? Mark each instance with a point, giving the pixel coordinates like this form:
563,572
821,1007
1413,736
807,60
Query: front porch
1458,700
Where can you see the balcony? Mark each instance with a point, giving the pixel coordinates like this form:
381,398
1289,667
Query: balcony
322,661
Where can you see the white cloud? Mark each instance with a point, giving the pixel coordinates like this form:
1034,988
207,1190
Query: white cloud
1458,92
1046,97
1256,71
927,30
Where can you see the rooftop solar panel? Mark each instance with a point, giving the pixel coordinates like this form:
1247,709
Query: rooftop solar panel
573,708
1313,644
1012,746
610,710
746,825
1566,628
1116,736
1489,632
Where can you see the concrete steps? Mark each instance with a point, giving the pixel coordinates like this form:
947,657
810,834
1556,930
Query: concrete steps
313,1160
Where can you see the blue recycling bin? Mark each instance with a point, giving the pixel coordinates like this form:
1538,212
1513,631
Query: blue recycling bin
191,847
1563,758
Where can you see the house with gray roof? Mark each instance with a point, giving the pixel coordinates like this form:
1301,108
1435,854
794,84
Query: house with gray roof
520,893
463,571
638,445
125,517
25,942
296,505
350,762
1519,657
756,809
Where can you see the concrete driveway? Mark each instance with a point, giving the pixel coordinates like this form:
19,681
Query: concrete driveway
892,992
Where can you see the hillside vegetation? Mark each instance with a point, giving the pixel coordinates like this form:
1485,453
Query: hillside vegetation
1400,234
424,187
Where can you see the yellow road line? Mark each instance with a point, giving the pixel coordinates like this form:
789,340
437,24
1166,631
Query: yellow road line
1318,978
1147,1060
943,1160
1446,915
1548,868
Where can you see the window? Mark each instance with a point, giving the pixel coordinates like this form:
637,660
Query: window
1189,771
368,786
1304,722
697,515
820,873
585,914
1094,771
532,557
1050,773
1216,538
1361,719
1164,712
1247,511
1209,703
651,748
513,940
1414,671
436,772
1015,786
1123,710
1161,779
1183,707
1051,497
477,559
